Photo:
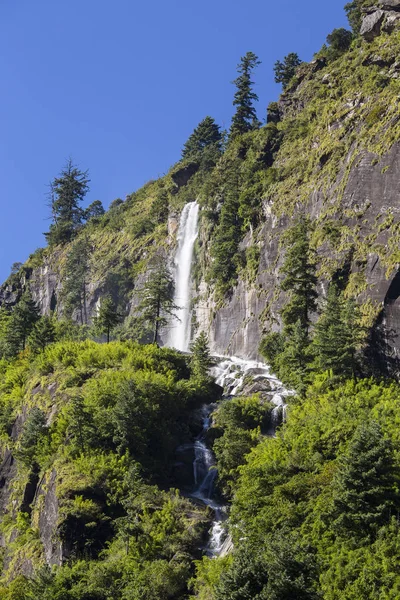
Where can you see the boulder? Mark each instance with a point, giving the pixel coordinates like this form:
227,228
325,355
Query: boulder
391,21
389,4
371,25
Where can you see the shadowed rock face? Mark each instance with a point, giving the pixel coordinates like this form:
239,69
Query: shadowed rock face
373,192
384,17
48,519
371,25
390,4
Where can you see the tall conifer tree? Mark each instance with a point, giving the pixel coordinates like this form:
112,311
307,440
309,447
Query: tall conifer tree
284,71
157,298
245,118
338,335
366,484
300,278
107,317
43,334
201,360
75,279
67,191
21,323
207,134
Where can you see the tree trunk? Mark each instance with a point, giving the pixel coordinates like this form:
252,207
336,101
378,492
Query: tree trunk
157,322
81,311
84,302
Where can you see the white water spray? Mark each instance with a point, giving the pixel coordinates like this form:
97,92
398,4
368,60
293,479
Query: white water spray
179,336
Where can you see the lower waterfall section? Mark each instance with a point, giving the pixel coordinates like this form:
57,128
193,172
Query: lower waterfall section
204,475
236,377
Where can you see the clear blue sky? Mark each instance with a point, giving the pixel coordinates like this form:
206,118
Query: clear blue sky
119,86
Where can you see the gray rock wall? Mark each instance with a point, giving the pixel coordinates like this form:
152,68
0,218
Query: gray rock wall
371,195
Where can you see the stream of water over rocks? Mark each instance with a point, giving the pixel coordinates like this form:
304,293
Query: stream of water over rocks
237,377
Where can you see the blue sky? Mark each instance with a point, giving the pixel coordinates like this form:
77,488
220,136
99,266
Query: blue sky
119,86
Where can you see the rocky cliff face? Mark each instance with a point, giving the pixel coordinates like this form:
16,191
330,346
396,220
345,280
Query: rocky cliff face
372,194
338,162
381,18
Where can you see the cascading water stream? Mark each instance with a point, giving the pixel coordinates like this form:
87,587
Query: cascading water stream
179,336
230,373
205,473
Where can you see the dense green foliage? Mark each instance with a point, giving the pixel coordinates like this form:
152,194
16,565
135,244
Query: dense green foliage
102,424
238,424
75,279
340,39
43,334
200,361
299,278
314,511
20,324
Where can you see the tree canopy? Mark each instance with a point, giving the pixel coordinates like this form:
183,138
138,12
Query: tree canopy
206,134
285,71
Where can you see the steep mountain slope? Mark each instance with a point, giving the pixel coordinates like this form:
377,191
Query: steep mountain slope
95,437
330,150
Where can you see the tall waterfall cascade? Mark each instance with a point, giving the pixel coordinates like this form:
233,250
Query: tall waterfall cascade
232,374
179,335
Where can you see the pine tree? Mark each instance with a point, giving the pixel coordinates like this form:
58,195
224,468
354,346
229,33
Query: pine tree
354,14
293,363
159,211
355,334
107,317
94,211
76,273
225,246
245,118
201,361
338,335
34,428
300,279
5,317
207,134
42,335
284,71
21,323
157,298
366,485
130,420
67,191
80,428
340,40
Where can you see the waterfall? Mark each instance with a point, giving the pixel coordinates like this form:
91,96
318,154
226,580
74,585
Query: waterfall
204,474
231,373
179,336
